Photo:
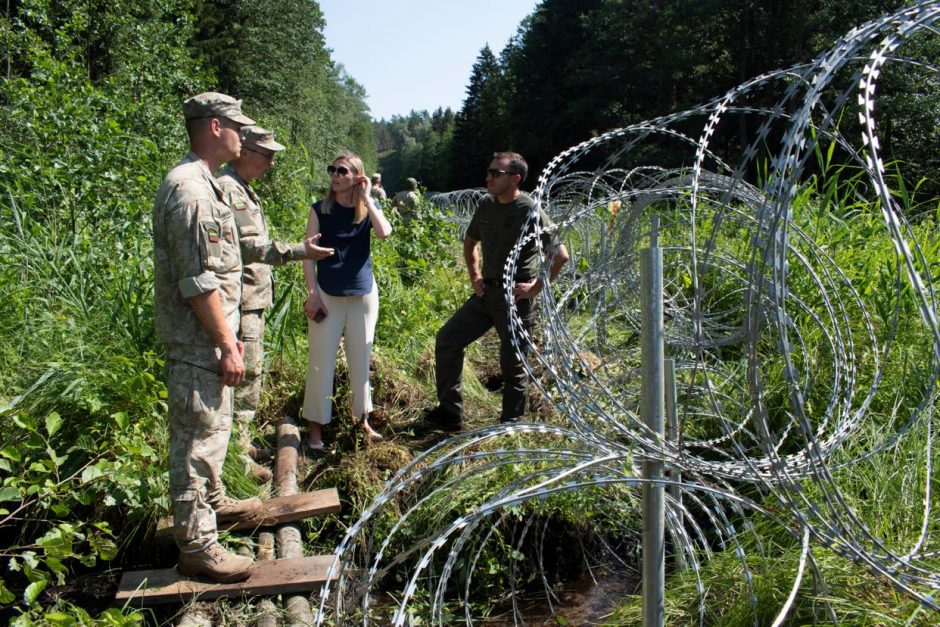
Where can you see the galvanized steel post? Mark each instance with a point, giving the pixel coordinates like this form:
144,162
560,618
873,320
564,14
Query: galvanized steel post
653,411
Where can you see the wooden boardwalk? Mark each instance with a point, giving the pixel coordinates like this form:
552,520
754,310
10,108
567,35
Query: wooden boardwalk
293,574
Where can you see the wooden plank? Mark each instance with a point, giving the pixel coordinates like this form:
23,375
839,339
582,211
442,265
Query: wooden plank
276,511
286,576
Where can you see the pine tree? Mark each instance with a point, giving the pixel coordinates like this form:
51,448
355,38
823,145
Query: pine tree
478,126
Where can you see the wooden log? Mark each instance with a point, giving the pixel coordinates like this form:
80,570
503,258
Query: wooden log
287,576
289,540
288,448
267,609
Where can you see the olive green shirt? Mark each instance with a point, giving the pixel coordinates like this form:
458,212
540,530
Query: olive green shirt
498,226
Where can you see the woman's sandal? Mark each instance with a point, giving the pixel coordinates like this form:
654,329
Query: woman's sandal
372,436
309,449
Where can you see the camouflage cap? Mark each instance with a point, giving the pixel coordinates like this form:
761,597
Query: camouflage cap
212,104
376,176
257,137
410,183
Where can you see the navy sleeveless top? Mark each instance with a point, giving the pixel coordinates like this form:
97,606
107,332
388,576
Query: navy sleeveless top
348,271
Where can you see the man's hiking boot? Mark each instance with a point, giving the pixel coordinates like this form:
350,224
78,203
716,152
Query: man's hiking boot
215,563
438,418
230,509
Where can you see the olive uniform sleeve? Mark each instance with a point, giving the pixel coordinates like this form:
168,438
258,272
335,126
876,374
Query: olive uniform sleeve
195,247
272,253
256,246
549,232
473,229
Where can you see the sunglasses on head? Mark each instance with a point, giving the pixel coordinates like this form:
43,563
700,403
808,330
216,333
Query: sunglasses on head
496,173
341,170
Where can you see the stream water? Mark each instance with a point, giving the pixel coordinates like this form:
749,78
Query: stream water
582,601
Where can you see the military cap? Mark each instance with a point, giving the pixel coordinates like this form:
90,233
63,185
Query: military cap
212,104
376,176
410,183
257,137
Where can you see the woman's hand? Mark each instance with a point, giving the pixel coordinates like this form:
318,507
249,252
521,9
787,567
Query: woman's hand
365,186
314,305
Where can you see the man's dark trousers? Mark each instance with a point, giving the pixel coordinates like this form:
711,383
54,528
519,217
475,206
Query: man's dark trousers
471,321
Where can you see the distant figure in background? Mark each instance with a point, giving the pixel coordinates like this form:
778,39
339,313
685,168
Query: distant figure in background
259,253
342,296
496,226
378,192
197,288
406,201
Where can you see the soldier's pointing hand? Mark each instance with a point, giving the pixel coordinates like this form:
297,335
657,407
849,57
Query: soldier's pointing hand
316,252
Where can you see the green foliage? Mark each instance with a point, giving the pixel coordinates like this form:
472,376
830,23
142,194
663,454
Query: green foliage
481,126
419,145
418,275
90,122
66,614
577,69
273,55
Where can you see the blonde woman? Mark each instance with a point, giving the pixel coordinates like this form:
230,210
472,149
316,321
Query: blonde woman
342,295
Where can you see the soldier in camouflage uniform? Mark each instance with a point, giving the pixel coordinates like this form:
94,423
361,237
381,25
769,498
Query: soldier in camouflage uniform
406,201
378,192
259,253
197,288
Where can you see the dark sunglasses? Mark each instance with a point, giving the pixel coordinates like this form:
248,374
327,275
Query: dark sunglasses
267,155
495,173
341,170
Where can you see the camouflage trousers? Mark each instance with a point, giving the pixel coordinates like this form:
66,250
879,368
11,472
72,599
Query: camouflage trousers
248,394
199,419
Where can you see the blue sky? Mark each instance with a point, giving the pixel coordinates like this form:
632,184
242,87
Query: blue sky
417,54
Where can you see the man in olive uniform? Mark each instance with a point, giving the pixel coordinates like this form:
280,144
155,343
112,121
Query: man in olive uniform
378,192
197,288
496,225
406,201
259,253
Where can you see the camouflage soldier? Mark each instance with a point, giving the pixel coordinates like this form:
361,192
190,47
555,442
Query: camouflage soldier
259,253
406,201
197,276
378,192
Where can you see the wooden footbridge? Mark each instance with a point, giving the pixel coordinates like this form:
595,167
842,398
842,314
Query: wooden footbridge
287,573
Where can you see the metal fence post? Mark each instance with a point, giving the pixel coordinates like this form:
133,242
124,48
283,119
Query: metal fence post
672,436
653,410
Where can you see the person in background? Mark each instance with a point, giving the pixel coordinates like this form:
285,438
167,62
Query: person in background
259,253
197,289
495,227
342,296
406,201
378,192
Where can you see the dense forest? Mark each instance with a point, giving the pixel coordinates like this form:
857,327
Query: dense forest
577,69
90,121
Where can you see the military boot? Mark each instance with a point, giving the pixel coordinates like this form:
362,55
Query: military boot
229,509
216,563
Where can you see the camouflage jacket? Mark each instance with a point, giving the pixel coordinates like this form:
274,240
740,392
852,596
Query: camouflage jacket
258,251
195,247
